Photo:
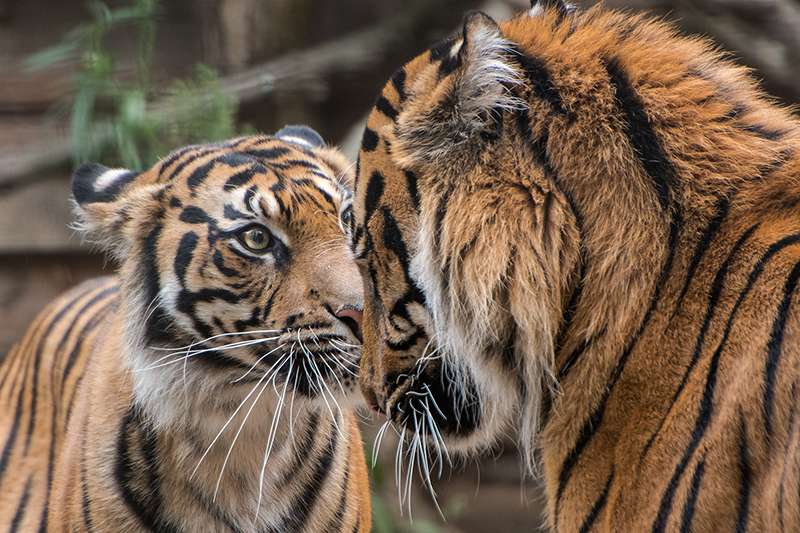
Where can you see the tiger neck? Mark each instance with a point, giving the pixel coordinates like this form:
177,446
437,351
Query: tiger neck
234,463
195,476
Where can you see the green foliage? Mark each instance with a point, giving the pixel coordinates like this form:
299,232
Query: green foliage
117,118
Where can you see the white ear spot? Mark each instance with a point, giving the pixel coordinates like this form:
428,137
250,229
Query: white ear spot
535,11
109,178
456,48
297,140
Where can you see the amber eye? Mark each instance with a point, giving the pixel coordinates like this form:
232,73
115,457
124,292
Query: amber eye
255,238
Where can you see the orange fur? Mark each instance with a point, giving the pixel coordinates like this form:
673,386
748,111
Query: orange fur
561,218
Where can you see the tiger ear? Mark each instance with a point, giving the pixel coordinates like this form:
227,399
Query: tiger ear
103,205
540,6
301,135
469,103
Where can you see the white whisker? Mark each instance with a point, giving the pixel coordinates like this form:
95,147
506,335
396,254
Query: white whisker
230,419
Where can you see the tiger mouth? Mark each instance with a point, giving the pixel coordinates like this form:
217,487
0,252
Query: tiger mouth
429,396
319,364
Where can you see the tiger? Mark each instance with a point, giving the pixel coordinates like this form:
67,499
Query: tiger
209,385
580,226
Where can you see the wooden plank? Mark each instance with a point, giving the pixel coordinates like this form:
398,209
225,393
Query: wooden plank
36,218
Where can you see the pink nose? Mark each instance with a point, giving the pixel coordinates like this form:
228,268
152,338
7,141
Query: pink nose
352,318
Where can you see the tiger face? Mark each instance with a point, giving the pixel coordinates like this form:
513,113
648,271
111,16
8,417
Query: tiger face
238,265
463,302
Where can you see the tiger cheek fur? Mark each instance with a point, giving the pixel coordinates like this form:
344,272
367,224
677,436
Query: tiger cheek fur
587,214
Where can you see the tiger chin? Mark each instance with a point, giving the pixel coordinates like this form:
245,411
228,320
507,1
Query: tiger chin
580,227
207,386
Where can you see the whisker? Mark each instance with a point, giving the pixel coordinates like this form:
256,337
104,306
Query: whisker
230,419
376,444
256,363
228,334
271,439
193,353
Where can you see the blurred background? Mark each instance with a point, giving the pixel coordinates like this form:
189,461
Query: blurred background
125,82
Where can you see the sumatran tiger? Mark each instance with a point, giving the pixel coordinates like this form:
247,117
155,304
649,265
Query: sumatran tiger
199,389
584,226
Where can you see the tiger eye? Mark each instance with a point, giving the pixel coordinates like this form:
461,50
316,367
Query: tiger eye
256,239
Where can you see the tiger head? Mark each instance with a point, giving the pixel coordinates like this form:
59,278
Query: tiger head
234,267
439,327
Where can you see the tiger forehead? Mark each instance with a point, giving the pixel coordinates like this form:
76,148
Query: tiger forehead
277,175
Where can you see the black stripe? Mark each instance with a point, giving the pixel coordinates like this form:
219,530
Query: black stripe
304,449
336,522
399,82
198,175
189,160
219,262
386,108
146,507
591,425
790,439
174,156
745,474
158,322
301,510
538,147
99,314
691,500
243,177
183,256
540,80
39,355
721,212
413,192
208,505
23,504
369,141
438,222
597,506
775,345
268,154
12,436
716,291
374,194
706,404
195,215
86,509
643,139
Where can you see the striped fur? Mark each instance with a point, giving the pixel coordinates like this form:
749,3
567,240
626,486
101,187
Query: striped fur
610,269
105,427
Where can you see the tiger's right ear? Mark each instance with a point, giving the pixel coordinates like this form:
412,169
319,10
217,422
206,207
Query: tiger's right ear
477,79
102,206
539,6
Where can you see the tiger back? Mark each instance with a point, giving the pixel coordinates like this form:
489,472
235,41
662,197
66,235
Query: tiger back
207,386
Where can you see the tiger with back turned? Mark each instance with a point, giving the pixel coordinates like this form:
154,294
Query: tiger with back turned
584,226
200,389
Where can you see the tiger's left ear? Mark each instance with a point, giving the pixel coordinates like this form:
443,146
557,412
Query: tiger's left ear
478,77
106,199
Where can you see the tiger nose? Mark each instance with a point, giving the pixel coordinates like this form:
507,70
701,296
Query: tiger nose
351,316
